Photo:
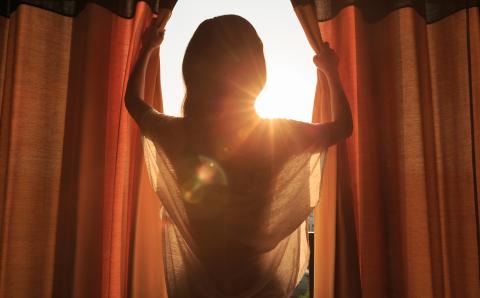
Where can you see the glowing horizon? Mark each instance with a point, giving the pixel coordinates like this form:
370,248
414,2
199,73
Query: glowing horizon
291,74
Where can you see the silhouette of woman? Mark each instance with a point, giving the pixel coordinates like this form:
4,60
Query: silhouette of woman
235,189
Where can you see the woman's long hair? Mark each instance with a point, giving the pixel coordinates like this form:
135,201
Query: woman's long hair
223,68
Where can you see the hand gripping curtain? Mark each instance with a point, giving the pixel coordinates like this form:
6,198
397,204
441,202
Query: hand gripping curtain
410,70
71,164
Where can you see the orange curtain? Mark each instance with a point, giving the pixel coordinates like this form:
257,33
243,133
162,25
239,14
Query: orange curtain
71,162
336,271
404,186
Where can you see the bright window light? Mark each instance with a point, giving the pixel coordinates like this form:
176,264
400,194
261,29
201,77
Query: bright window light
291,74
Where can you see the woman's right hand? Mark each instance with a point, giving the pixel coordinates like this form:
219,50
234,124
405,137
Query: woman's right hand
153,35
326,60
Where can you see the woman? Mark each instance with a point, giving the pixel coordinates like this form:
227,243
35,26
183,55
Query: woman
235,189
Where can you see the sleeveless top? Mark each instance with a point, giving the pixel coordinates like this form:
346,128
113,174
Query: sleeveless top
234,207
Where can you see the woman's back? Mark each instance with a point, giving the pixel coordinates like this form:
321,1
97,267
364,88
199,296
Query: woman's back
235,197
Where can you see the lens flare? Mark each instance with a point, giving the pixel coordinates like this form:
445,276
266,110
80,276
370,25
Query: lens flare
208,173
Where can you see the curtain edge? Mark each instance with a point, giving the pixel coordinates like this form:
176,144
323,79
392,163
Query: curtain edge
127,10
370,14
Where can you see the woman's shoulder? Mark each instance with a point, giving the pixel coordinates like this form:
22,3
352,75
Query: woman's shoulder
154,116
282,126
288,137
157,124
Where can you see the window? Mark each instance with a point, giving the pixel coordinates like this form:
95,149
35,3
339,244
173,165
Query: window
291,74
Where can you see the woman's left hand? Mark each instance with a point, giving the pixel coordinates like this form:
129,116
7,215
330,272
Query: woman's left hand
153,35
326,60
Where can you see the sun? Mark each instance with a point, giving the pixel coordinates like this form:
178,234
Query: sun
288,93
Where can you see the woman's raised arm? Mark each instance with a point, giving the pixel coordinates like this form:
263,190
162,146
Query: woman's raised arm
332,132
135,93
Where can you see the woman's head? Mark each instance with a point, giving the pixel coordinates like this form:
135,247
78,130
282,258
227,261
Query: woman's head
223,68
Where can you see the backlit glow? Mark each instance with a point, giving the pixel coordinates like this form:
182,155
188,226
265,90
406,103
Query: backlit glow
291,75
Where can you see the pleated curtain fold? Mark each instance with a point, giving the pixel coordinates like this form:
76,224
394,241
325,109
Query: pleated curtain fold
335,245
401,219
72,175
